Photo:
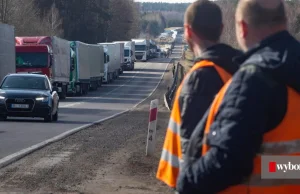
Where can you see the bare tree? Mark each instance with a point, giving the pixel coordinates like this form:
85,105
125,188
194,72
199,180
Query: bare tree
53,22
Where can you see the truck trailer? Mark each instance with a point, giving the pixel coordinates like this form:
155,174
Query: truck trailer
129,54
142,49
45,55
8,53
115,57
96,61
120,57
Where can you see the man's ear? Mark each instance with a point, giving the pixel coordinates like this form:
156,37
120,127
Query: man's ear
187,31
244,28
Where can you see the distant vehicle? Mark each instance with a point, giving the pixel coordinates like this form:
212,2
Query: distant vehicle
116,55
142,49
28,95
153,48
129,54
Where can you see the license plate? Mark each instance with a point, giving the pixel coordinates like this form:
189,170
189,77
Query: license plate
20,106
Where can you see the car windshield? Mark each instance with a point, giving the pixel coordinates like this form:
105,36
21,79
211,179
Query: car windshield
140,47
126,53
24,82
31,59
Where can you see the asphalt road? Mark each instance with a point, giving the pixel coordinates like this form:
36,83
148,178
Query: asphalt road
132,87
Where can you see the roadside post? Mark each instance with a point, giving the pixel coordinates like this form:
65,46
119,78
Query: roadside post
151,137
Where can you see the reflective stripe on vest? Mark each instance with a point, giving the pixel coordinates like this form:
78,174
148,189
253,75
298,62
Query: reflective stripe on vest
282,140
171,157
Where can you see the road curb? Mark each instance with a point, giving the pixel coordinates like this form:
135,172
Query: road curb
21,154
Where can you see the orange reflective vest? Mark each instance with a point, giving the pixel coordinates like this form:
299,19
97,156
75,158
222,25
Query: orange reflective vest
283,140
171,157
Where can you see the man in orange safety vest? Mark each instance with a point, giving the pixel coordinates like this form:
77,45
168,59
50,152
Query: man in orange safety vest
213,67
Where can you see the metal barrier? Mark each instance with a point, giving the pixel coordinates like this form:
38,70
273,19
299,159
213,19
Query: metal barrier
178,74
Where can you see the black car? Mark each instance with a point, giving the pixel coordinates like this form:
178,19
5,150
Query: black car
28,95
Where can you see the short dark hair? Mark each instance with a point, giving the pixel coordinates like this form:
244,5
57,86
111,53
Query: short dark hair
205,18
258,16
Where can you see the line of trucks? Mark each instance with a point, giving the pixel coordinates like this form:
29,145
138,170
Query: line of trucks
74,67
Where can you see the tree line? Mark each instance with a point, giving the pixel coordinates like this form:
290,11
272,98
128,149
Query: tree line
89,21
158,16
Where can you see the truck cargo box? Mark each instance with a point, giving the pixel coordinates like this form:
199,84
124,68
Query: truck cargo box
114,52
96,60
120,53
7,50
61,60
83,67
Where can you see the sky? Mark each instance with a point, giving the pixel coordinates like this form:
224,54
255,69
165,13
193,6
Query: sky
167,1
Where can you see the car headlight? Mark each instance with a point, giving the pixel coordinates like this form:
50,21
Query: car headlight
2,99
42,99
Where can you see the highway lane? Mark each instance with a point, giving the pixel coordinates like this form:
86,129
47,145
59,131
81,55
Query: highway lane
132,87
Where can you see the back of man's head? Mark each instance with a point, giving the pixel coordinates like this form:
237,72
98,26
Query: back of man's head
262,13
205,19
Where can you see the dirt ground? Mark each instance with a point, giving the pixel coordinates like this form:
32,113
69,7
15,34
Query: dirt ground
107,158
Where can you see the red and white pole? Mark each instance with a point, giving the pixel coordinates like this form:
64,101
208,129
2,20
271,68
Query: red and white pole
151,137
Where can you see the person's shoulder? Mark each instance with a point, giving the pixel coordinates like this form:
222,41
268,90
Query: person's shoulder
198,79
200,74
252,77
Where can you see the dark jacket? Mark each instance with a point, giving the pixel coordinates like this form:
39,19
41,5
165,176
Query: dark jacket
254,104
200,87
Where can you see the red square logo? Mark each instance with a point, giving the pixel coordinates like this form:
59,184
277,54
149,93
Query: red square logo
272,166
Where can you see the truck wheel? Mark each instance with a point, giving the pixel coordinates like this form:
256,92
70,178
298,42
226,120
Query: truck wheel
63,94
111,78
80,92
3,118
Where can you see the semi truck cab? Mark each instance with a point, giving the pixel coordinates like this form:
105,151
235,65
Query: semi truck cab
129,58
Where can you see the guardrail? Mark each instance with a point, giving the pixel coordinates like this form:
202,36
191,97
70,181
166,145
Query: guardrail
178,75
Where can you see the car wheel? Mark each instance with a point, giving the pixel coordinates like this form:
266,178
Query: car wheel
48,118
3,118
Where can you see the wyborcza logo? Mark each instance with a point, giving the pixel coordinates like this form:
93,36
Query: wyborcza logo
280,167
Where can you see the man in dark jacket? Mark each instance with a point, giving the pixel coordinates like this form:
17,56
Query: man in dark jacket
257,108
203,28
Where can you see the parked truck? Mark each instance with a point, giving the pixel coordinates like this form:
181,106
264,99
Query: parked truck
87,67
96,61
120,57
129,54
142,49
45,55
153,48
7,49
115,57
